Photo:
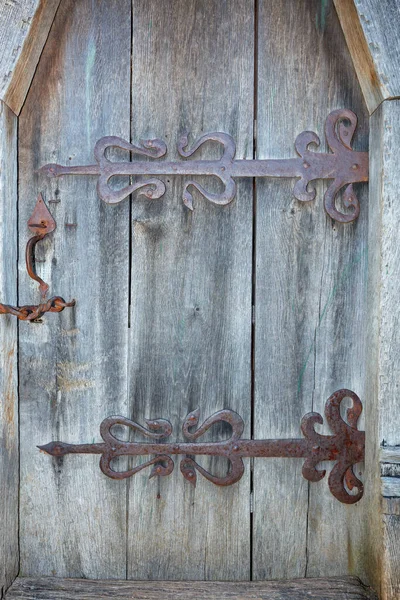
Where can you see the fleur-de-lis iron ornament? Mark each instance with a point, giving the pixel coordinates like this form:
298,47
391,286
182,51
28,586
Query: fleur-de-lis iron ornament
346,447
343,165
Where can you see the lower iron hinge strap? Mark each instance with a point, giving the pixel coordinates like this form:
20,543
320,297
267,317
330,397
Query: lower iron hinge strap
345,446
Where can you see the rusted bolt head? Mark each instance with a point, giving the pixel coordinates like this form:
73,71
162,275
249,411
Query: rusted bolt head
235,447
355,167
158,469
190,474
306,164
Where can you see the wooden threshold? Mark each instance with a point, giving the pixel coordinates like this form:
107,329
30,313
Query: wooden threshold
53,588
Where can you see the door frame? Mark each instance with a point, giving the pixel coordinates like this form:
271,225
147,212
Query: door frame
373,42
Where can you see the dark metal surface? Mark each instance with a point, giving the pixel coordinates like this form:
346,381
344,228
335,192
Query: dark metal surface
343,165
41,223
346,447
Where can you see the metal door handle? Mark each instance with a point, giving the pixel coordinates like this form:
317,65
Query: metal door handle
41,223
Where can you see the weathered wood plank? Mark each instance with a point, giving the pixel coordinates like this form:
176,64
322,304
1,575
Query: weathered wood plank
390,487
310,291
9,455
24,27
390,454
73,366
372,35
383,416
191,283
346,588
360,51
391,565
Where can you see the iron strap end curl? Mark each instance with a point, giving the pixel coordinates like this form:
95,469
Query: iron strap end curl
41,223
345,446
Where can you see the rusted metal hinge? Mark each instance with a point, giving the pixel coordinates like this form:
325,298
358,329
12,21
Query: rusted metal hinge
343,165
41,223
346,447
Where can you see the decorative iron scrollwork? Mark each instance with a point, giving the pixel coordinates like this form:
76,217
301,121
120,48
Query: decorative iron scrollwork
346,447
343,165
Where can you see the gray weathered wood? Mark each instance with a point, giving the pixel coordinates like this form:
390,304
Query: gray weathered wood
24,27
73,365
340,588
391,563
390,454
390,472
191,283
9,468
372,34
391,487
310,292
383,415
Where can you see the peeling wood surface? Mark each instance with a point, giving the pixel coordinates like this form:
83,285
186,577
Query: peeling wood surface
73,367
383,416
310,300
343,588
24,27
372,33
190,334
9,468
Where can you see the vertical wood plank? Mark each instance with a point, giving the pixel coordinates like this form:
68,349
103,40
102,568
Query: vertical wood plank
310,291
382,563
9,455
191,283
73,365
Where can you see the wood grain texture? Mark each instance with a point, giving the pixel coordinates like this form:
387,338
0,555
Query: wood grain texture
310,293
353,29
24,27
383,416
73,369
9,455
191,283
390,473
390,454
346,588
372,35
391,588
390,487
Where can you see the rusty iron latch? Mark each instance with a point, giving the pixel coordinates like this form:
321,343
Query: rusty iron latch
346,447
41,223
343,165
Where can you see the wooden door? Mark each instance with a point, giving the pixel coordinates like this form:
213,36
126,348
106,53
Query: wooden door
257,306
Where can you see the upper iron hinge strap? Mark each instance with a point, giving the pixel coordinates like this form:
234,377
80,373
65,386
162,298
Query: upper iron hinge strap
342,165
